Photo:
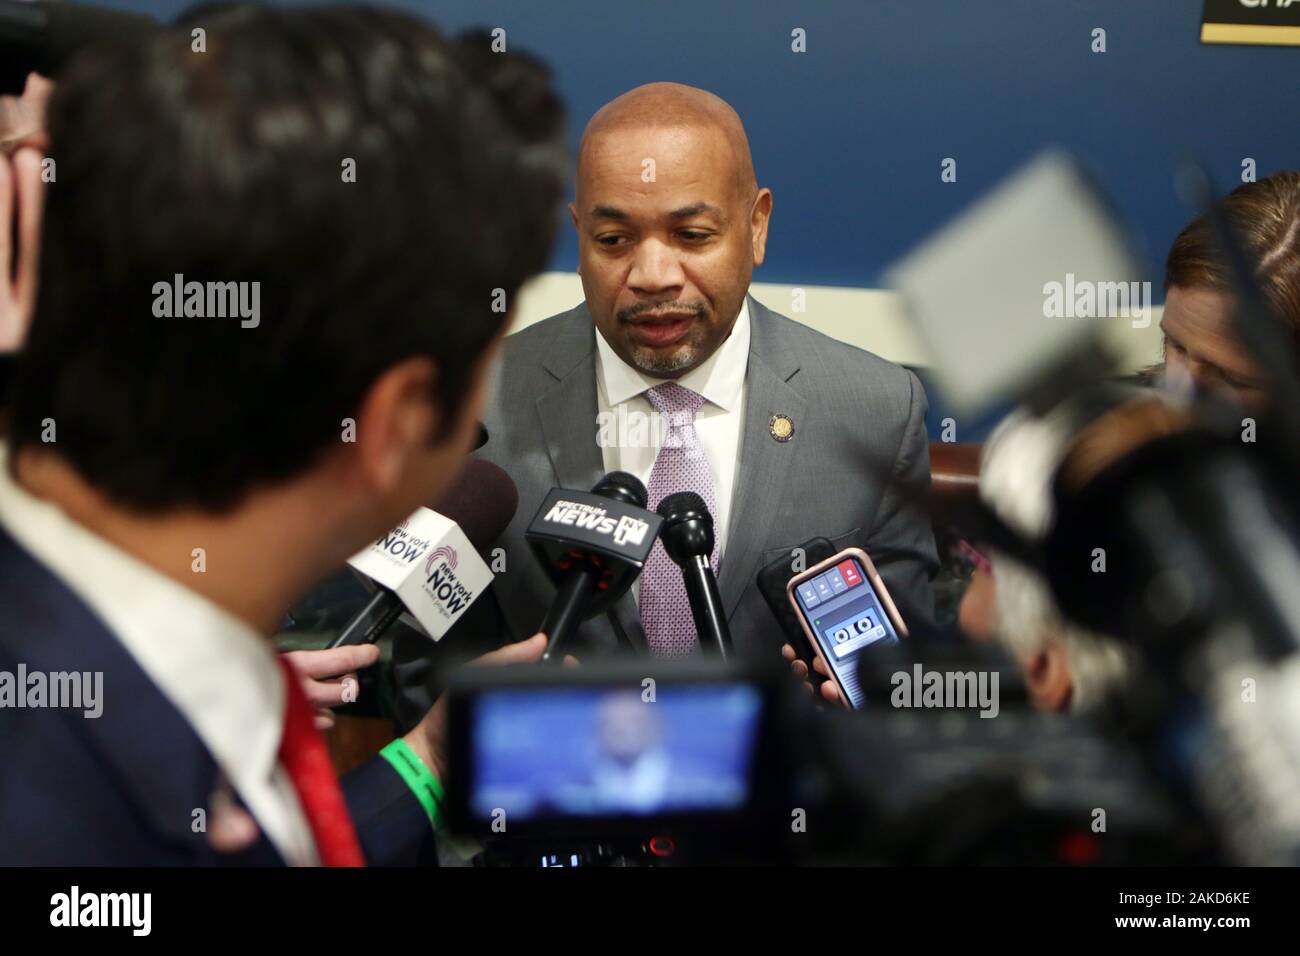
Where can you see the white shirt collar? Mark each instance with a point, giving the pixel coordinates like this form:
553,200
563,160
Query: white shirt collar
718,378
218,672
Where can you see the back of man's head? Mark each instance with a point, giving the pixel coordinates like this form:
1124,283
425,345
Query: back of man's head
386,190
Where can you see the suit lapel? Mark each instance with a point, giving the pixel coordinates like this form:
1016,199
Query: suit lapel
144,743
566,413
765,463
566,410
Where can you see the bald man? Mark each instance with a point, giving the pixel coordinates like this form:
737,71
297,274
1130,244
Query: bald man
670,370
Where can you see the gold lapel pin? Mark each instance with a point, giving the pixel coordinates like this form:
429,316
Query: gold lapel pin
781,427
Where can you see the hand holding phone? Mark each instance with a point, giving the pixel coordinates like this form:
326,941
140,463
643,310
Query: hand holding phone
828,689
845,609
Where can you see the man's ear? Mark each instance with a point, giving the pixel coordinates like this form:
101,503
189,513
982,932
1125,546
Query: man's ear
395,422
1048,679
758,219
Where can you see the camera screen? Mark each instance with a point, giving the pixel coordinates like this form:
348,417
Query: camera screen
613,751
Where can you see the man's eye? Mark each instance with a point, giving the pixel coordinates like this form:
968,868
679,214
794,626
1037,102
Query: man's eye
693,235
609,240
1177,347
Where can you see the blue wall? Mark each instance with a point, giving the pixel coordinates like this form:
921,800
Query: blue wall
850,135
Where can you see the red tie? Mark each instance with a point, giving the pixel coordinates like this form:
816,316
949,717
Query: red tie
305,759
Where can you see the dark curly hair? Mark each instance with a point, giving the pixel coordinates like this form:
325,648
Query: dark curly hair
226,165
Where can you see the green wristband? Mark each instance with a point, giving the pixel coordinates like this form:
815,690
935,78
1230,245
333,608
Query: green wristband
417,776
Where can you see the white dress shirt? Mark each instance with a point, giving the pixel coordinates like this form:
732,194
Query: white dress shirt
719,424
216,670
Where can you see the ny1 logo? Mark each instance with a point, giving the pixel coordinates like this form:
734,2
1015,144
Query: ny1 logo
630,530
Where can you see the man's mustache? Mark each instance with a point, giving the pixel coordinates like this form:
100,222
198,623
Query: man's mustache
641,308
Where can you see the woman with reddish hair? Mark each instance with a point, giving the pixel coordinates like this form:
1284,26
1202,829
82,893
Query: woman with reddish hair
1201,347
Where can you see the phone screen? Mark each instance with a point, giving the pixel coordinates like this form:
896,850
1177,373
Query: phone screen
845,614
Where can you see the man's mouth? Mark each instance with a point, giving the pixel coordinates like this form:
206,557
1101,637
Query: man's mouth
660,329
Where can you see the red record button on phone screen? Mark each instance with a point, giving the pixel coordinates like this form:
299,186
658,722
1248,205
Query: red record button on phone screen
849,571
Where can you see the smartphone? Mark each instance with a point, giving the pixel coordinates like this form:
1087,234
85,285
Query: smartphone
845,610
772,580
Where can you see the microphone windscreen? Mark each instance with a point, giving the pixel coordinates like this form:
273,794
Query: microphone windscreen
682,502
621,486
482,500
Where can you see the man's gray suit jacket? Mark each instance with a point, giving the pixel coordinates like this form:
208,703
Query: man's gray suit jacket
857,417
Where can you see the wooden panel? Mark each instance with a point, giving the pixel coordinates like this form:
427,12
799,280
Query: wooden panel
955,467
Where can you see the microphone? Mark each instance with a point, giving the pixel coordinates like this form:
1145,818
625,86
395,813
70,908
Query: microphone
430,564
687,536
593,545
43,37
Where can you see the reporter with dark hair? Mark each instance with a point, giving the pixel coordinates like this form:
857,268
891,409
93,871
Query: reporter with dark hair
267,305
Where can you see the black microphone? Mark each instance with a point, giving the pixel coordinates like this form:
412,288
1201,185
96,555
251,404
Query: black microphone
481,502
593,544
687,536
43,37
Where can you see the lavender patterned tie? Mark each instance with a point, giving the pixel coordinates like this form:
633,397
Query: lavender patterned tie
679,466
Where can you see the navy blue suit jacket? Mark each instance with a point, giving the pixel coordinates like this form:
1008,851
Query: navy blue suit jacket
123,788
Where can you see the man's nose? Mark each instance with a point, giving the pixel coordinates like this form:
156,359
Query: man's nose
655,269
